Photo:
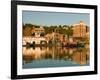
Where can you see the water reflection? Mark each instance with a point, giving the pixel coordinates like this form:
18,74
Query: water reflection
79,56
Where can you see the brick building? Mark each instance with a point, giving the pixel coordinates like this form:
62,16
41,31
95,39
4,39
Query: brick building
79,30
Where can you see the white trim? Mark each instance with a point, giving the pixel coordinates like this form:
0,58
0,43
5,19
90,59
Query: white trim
52,70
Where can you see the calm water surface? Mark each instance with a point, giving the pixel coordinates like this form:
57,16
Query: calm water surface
42,57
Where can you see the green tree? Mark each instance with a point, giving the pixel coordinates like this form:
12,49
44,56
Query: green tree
28,25
69,32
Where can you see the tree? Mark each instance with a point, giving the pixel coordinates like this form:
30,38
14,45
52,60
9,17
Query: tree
28,24
69,32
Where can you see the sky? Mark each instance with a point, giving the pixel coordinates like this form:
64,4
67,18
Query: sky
54,18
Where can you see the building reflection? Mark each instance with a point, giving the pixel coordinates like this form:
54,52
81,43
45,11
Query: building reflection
77,55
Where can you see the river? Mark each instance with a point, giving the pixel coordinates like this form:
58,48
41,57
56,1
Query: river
44,57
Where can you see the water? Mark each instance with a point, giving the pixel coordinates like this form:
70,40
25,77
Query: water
43,57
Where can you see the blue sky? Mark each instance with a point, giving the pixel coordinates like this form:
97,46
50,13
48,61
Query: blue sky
54,18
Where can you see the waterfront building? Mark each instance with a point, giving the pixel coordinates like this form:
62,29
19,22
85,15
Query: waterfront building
79,30
38,32
36,37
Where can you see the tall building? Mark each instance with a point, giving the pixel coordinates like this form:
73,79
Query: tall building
79,30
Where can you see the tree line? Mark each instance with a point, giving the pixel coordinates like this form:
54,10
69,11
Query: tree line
61,29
